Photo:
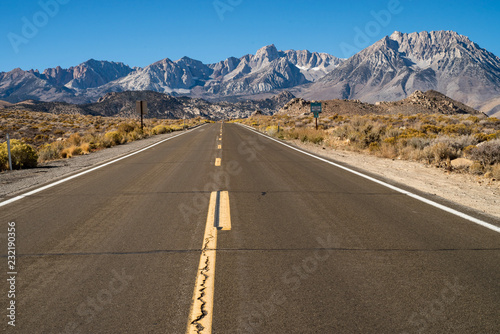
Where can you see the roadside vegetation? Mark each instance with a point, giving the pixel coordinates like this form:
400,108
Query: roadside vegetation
38,137
460,143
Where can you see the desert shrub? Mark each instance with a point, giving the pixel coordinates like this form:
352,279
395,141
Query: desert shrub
135,135
40,137
176,128
113,137
458,144
22,155
159,129
495,171
126,127
291,134
392,132
71,151
440,152
75,150
305,135
430,128
374,146
460,129
272,130
387,151
86,148
315,138
50,152
476,168
486,153
418,143
368,135
75,139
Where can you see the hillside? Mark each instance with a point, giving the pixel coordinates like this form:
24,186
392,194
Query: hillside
430,102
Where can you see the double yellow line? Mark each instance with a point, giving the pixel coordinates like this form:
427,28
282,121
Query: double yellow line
218,218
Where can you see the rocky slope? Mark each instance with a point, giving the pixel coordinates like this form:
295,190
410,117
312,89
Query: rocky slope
430,102
90,74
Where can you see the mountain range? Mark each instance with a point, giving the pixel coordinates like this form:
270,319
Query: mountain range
389,70
160,105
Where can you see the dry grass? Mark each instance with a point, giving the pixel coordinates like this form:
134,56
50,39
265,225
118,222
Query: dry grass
63,136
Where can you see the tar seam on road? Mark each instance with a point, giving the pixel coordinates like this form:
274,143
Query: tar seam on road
405,192
14,199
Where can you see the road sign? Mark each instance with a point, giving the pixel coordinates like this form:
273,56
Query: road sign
316,110
316,107
141,107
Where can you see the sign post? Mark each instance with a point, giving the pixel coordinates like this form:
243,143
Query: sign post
8,152
316,110
142,108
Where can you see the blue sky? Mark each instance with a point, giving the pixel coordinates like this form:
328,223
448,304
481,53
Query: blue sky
47,33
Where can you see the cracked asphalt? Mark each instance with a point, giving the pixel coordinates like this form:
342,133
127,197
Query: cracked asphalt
312,249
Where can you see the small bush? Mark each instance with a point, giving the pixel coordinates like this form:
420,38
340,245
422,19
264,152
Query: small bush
22,155
50,152
114,137
388,151
272,130
75,139
86,148
71,151
443,151
135,135
476,168
159,129
126,127
495,171
486,153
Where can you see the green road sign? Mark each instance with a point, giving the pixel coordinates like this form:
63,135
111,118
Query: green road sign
316,109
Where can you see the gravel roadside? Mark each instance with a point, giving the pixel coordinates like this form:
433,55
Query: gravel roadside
19,181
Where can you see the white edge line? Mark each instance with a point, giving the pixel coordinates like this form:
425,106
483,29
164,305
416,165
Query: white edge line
14,199
405,192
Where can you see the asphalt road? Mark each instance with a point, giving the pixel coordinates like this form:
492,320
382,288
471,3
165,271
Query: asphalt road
312,248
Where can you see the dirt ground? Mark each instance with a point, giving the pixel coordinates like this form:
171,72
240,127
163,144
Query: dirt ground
471,191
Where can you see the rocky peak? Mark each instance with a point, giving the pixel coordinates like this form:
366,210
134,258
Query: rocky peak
264,57
268,52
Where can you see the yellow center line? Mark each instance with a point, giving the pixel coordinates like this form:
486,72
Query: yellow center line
219,147
200,315
217,162
224,212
